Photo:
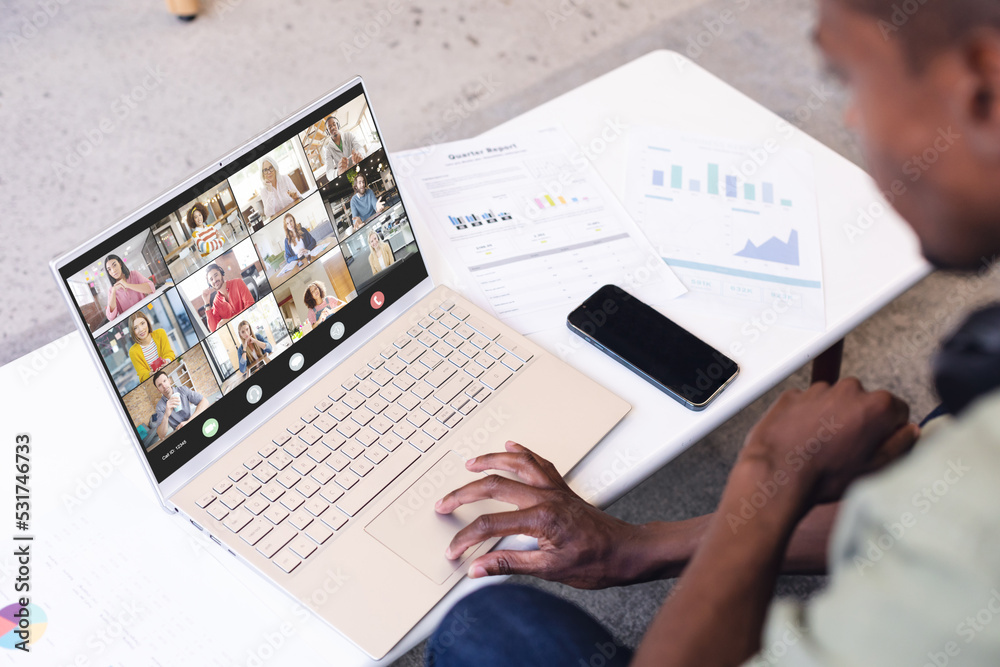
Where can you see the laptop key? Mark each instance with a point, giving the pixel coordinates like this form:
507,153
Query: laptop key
512,347
394,412
205,500
367,389
307,488
302,546
421,441
324,424
288,479
366,437
431,407
447,304
281,460
381,377
376,455
403,382
316,506
310,416
496,377
248,486
411,354
403,429
346,479
425,322
252,462
453,421
295,427
380,425
281,440
276,514
348,429
479,341
310,437
390,442
300,519
336,394
237,474
460,313
435,429
254,531
349,384
273,491
438,330
331,493
319,532
334,519
418,418
464,331
338,462
319,453
363,373
304,466
296,448
267,450
377,404
427,339
408,401
363,416
256,505
218,511
354,501
334,441
422,390
482,327
275,539
495,351
447,392
265,474
287,561
322,474
414,331
354,400
375,363
437,313
339,411
323,405
390,393
361,467
232,498
450,321
237,520
401,342
395,366
292,501
352,449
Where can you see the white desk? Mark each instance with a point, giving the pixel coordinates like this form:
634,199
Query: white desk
46,393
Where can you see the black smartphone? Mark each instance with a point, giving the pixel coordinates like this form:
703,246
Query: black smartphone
673,359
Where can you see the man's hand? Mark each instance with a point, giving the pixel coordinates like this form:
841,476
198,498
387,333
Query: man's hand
826,437
343,166
578,544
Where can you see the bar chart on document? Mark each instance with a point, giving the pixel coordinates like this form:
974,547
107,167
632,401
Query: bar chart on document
736,222
536,232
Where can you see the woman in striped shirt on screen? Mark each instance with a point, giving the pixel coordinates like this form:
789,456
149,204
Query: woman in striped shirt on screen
207,239
150,349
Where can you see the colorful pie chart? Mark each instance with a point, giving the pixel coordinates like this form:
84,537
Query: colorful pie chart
8,625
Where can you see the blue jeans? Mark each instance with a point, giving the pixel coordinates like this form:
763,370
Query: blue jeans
507,626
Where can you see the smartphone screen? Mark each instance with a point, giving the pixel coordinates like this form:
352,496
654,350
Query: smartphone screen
672,358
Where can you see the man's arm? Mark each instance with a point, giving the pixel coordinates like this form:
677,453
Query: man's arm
808,448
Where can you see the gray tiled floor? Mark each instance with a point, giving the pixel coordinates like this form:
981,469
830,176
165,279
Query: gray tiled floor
451,68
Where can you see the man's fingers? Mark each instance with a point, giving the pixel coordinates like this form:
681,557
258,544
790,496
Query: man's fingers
898,444
501,524
492,486
509,562
521,461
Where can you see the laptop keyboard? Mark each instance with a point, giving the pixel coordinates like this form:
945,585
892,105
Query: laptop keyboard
299,491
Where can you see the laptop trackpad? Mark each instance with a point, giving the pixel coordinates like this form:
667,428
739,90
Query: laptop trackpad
415,532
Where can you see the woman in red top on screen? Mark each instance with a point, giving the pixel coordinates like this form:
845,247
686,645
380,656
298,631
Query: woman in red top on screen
127,287
224,298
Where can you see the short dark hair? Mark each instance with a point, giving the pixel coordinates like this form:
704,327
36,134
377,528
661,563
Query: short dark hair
201,208
157,375
924,28
125,272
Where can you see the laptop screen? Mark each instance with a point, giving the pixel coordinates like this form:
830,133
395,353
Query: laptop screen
199,308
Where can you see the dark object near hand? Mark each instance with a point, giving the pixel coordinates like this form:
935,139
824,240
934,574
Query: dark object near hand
967,366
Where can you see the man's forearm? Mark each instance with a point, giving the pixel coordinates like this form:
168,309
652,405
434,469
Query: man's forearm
729,582
664,548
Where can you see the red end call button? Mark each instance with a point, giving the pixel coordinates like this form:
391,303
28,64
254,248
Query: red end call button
378,299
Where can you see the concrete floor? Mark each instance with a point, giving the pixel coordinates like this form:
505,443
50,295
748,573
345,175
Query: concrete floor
195,90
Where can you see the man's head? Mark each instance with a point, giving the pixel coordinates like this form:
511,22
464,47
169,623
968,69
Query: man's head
333,128
162,382
924,76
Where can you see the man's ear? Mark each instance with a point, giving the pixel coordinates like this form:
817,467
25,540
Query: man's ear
980,94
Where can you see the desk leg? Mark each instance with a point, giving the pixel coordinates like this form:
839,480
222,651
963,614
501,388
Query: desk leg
826,367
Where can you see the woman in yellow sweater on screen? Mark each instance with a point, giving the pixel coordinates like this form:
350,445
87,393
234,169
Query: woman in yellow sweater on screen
151,349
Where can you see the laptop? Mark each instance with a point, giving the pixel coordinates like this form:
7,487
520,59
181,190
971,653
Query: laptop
296,385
